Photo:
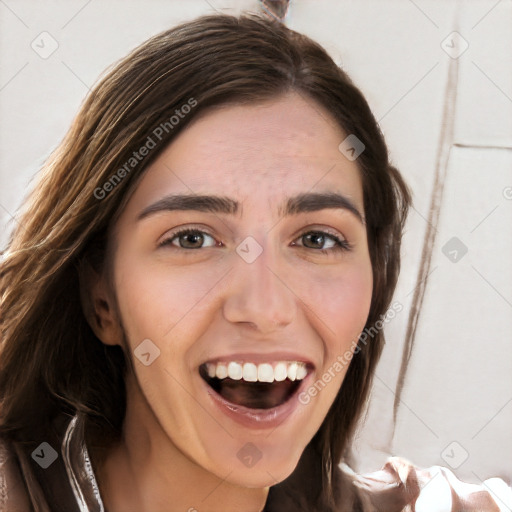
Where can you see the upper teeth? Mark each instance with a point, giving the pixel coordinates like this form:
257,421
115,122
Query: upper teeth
265,372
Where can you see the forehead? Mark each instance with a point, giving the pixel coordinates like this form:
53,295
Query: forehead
256,152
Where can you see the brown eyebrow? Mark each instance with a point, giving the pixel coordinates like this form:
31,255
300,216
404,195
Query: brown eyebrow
301,203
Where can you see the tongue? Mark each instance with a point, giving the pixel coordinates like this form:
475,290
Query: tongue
255,395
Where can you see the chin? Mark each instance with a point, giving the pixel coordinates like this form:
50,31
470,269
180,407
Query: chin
265,466
266,475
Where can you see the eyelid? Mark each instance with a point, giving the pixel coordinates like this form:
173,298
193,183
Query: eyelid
342,244
315,228
173,233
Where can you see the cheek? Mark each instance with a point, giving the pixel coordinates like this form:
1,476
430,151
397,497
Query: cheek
159,300
340,304
341,301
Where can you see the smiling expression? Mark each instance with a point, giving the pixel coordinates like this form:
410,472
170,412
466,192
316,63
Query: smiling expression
242,255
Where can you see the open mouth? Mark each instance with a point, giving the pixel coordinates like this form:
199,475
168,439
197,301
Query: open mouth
262,386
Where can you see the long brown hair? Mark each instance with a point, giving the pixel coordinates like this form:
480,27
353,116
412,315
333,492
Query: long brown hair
51,363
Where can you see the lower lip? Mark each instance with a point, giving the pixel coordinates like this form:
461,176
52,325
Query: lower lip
257,418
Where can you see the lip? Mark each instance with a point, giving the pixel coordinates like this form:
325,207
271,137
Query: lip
257,418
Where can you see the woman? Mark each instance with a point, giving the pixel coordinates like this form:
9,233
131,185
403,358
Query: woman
209,242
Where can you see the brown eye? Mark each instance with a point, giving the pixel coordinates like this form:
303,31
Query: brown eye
187,239
317,240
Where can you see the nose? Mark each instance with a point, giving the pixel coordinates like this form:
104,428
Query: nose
259,293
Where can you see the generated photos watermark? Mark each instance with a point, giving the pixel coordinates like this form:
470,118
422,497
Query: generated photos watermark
343,360
149,144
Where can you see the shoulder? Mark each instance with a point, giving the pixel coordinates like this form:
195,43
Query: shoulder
400,484
13,492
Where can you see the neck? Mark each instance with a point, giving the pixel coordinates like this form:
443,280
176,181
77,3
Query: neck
146,471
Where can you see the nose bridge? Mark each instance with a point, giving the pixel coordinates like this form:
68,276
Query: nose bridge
259,294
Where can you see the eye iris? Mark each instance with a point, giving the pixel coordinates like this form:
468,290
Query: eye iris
317,238
188,236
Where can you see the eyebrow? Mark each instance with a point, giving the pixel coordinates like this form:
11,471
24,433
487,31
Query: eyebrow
301,203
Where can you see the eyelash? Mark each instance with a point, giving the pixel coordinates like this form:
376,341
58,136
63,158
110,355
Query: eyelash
341,245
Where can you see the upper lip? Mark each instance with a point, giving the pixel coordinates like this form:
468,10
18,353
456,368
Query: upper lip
259,357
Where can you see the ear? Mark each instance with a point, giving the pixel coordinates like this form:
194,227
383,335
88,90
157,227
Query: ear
98,305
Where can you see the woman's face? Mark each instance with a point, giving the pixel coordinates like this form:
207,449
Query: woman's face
261,290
